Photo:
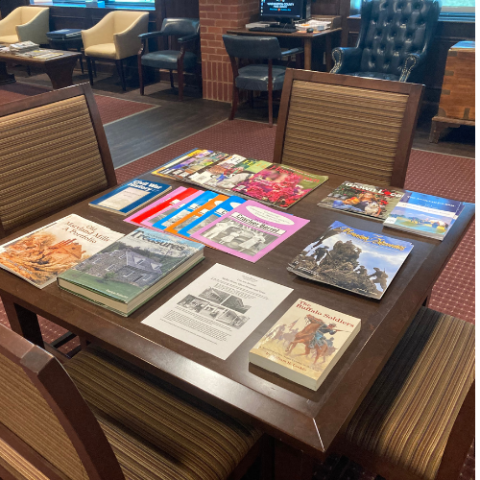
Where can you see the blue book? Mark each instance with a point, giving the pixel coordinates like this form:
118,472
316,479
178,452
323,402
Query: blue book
211,215
130,196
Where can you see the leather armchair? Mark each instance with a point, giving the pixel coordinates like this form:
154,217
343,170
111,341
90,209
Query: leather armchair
394,39
25,23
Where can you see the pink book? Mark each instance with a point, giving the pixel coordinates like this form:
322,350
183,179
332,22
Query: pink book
249,231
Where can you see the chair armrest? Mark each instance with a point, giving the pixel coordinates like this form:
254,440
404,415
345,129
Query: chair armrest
188,38
145,36
412,62
99,33
8,24
36,29
292,51
347,60
127,43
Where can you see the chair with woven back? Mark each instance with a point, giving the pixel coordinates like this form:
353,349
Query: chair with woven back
101,418
357,128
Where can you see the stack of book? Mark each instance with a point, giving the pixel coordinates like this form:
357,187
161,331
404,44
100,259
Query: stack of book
23,47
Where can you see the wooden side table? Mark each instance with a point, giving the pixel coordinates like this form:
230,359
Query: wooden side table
457,102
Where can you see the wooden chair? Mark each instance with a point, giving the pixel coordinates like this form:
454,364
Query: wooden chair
417,421
359,128
107,420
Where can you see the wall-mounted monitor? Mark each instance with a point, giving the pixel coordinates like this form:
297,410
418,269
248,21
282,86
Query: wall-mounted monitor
283,11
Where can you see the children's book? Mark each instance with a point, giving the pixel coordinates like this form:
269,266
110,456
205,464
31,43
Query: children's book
424,214
306,343
362,199
279,185
351,259
38,257
130,196
249,231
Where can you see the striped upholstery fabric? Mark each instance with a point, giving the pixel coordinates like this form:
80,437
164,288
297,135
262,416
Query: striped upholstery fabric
409,412
343,130
49,159
155,431
35,423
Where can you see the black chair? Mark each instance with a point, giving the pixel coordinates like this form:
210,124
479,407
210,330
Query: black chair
187,30
394,39
263,78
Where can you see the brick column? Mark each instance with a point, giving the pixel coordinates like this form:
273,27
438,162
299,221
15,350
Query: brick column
216,17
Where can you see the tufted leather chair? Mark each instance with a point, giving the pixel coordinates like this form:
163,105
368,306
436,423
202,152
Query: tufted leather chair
393,43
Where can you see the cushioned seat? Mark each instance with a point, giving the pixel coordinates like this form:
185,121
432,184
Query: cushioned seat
167,59
103,50
155,430
255,77
9,39
379,76
25,23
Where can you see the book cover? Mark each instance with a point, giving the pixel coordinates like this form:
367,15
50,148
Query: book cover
130,196
211,176
424,214
363,199
131,265
239,173
38,257
249,231
279,185
306,343
208,217
351,259
180,162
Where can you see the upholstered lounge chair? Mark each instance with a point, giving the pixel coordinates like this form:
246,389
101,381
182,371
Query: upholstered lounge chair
25,23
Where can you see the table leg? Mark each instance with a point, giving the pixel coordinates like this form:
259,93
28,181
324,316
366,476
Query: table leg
307,52
292,464
328,52
5,77
61,75
24,322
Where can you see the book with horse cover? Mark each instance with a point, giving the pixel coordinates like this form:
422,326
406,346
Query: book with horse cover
306,343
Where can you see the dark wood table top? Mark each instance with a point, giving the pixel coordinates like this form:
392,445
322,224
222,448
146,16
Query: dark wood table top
298,416
10,57
245,31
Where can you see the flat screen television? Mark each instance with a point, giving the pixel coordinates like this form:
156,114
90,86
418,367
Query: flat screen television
284,12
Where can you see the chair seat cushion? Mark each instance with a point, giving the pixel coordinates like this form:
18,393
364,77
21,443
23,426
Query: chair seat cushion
8,39
408,413
378,76
255,77
102,50
167,59
157,431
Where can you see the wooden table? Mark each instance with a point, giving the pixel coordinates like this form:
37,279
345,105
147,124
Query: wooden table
59,69
302,419
307,39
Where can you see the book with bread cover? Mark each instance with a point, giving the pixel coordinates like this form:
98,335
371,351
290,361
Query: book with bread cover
38,257
306,343
352,259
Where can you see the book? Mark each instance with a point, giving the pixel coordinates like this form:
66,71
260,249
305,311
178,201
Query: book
363,199
306,343
128,273
424,215
130,196
279,185
39,256
249,231
209,177
22,47
351,259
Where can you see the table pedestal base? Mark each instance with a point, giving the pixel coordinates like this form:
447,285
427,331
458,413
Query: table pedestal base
5,77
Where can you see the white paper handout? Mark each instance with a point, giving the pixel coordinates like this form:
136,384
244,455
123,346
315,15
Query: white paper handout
219,310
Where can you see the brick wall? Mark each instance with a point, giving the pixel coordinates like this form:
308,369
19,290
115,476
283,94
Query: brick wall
216,17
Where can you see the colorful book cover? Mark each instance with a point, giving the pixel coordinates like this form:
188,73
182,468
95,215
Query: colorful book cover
178,163
424,214
131,196
249,231
38,257
211,176
210,216
306,343
280,185
240,172
363,199
355,260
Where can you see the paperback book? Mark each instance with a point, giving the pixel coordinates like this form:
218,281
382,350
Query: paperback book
363,199
40,256
211,176
355,260
306,343
130,196
249,231
126,274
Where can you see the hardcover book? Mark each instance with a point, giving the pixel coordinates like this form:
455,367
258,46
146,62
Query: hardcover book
38,257
351,259
131,196
249,231
306,343
125,275
362,199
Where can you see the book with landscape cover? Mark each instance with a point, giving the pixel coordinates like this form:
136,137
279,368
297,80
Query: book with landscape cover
424,215
363,199
125,275
38,257
306,343
355,260
130,196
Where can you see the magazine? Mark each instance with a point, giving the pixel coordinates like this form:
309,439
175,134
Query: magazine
351,259
249,231
219,310
209,177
